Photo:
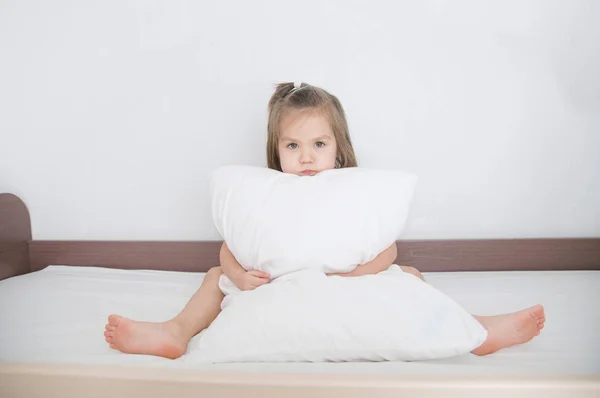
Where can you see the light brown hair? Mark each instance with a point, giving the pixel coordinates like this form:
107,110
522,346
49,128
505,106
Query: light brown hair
307,97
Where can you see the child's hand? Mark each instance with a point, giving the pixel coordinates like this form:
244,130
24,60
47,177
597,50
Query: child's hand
250,280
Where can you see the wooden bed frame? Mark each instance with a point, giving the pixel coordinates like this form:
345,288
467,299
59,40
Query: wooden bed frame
19,254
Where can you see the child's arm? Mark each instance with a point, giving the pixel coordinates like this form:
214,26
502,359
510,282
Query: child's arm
378,264
244,280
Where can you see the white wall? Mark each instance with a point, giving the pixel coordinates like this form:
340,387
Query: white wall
113,112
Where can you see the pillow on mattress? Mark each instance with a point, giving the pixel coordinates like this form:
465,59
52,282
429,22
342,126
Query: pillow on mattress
311,317
331,222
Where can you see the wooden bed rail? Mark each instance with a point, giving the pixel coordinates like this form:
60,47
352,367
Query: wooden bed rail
427,256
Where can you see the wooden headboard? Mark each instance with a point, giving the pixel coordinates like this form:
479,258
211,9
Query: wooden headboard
15,235
20,254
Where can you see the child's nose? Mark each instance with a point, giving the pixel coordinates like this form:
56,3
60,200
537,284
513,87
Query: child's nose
306,156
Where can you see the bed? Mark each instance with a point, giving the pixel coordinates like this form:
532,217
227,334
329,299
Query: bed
55,296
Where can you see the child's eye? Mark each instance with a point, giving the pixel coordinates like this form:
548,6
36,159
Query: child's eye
292,146
320,144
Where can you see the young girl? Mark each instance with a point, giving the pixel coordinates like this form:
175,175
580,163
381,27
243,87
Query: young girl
307,133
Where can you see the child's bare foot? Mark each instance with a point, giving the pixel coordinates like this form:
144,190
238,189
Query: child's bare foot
510,329
162,339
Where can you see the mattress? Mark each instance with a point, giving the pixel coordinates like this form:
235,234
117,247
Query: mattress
57,316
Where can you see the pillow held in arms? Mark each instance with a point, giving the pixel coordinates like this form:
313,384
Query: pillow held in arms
299,228
332,222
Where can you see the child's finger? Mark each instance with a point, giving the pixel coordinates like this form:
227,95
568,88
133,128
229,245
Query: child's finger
260,274
261,281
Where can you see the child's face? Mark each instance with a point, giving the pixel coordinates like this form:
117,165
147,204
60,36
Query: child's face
307,144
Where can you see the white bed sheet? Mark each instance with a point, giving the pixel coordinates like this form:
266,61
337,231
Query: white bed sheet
57,315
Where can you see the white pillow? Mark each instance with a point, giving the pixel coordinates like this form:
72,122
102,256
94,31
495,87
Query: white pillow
299,228
331,222
311,317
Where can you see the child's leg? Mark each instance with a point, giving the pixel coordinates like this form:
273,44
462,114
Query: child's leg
510,329
413,271
504,330
168,339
